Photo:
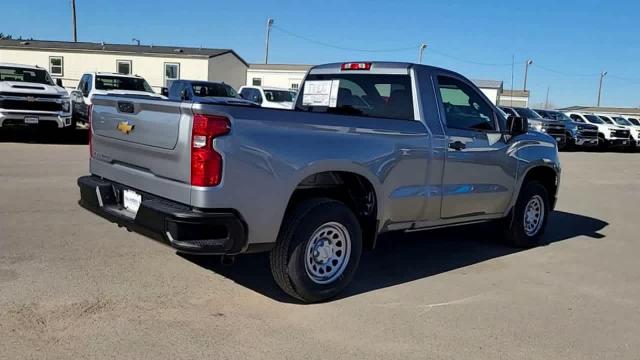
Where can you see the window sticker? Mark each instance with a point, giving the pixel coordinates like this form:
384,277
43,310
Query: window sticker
320,93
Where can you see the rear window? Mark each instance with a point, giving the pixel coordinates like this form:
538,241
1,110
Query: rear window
213,90
278,95
384,96
122,83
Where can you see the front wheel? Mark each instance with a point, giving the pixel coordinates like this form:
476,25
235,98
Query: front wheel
318,250
526,224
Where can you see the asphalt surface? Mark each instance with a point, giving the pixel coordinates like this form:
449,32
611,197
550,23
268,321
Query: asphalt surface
74,286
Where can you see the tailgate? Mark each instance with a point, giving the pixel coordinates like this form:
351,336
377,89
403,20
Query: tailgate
143,143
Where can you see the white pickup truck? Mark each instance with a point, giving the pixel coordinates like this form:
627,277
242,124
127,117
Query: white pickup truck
104,83
29,97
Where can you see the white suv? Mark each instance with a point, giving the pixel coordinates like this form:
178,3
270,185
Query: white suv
619,120
102,83
609,135
268,97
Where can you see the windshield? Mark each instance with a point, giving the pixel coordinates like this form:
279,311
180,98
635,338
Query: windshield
634,121
278,95
594,119
622,121
122,83
605,119
528,113
213,90
385,96
25,75
556,115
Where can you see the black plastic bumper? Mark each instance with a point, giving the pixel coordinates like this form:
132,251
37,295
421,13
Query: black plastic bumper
186,229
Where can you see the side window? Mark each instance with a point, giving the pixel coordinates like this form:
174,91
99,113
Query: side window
576,118
256,96
509,111
464,108
81,83
56,66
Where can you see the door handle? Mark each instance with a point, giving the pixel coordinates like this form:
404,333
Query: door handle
457,145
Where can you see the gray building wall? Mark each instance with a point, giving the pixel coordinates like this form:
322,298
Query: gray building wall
228,69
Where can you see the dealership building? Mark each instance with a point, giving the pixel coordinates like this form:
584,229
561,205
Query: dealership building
161,64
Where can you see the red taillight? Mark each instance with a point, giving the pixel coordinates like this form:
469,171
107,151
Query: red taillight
90,110
356,66
206,162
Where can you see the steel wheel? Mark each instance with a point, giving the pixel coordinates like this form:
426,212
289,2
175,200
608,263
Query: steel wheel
327,253
534,215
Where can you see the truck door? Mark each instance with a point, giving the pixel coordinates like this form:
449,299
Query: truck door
479,176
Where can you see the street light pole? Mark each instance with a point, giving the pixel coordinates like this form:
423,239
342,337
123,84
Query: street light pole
546,101
266,41
602,75
420,52
526,72
73,18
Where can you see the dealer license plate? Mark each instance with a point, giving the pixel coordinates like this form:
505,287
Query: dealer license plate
31,119
131,200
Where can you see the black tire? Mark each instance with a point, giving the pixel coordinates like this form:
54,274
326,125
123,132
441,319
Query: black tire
514,225
288,257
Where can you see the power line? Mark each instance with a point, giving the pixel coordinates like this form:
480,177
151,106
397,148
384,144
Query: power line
340,47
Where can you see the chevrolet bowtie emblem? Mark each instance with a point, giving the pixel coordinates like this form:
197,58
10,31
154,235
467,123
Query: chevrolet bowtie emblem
125,128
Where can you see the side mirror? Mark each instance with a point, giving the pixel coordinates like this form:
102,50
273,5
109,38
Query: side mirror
184,95
164,91
76,96
517,125
59,82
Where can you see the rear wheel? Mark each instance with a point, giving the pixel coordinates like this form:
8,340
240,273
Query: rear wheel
526,224
318,250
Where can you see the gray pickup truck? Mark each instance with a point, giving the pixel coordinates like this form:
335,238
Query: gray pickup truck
369,148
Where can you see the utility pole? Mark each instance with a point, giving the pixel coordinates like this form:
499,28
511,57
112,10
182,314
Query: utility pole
73,16
266,41
526,72
420,52
602,75
546,102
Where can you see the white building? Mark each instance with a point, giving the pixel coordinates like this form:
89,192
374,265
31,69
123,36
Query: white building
518,98
157,64
286,76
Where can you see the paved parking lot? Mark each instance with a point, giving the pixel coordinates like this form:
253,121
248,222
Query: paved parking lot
74,286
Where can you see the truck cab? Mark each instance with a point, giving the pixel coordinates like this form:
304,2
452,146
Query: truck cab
30,97
102,83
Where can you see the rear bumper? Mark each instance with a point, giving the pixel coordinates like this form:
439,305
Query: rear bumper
187,229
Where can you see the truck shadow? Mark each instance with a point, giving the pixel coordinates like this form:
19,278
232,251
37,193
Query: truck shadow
52,136
401,258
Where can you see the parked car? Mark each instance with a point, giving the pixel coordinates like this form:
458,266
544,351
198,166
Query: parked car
359,156
554,128
29,97
268,97
101,83
205,92
578,134
633,125
609,136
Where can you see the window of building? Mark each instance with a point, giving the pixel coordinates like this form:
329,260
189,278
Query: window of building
123,67
464,107
295,86
56,66
171,72
257,82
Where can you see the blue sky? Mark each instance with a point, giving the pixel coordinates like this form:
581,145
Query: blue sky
570,42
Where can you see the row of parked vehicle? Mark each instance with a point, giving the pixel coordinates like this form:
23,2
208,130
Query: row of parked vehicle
30,97
582,130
